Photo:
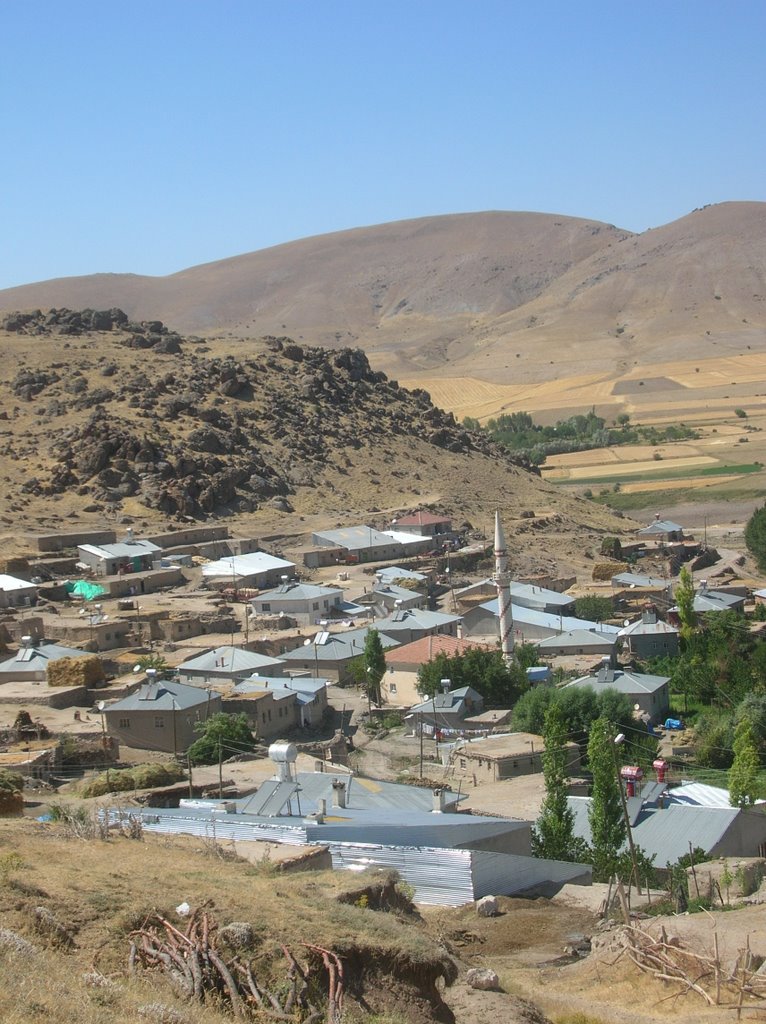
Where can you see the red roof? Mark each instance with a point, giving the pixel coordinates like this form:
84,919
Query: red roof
421,651
422,519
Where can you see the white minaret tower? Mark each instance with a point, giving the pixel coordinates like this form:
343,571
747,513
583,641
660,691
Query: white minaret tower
502,581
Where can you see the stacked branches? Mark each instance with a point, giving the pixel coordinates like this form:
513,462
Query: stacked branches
198,970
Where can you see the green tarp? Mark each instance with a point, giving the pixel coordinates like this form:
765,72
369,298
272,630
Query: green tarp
88,591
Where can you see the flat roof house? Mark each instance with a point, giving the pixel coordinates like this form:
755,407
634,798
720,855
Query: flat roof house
505,756
16,593
113,559
161,715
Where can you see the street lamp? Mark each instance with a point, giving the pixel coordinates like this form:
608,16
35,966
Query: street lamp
101,705
619,739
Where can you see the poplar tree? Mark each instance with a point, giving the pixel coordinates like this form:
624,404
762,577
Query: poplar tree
743,774
685,601
553,834
374,664
607,823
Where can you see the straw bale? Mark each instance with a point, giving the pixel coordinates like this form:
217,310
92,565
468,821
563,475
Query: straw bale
605,570
85,671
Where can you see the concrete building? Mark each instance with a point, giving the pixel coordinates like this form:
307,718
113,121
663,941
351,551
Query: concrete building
16,593
256,570
578,641
399,684
445,713
310,694
406,625
126,557
529,624
650,693
359,543
161,715
649,636
30,663
227,665
329,654
425,524
662,530
389,597
665,827
306,603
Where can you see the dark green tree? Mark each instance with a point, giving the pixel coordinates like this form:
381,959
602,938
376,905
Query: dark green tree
222,736
374,664
755,536
743,774
594,608
553,833
530,709
483,669
607,823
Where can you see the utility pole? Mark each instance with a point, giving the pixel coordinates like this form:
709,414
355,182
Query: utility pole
421,745
618,741
220,770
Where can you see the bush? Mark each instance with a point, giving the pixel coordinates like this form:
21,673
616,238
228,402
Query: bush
142,776
741,413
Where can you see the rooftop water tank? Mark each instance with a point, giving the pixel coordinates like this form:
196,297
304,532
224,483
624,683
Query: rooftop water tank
283,752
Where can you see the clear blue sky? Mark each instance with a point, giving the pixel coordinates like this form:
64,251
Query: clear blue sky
152,135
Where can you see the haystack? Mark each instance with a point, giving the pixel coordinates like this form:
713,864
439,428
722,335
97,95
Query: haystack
85,671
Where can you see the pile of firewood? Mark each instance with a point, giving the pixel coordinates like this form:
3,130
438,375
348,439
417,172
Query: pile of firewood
668,959
199,970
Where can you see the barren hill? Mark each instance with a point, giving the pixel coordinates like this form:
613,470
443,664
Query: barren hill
465,292
105,417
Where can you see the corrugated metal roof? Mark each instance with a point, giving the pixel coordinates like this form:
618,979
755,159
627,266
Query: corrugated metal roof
623,682
557,623
665,833
229,659
37,657
165,696
127,549
254,564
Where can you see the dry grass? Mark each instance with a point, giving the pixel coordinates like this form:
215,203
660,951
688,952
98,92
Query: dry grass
98,891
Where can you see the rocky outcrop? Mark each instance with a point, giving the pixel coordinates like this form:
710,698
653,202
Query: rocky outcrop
192,435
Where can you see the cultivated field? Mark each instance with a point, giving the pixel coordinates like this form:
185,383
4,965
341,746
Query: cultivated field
723,399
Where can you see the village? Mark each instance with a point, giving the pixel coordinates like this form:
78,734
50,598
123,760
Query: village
120,651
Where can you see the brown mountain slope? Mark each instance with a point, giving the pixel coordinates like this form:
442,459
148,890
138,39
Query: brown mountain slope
135,420
437,272
508,298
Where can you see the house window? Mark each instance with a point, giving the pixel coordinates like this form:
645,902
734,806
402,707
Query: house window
124,723
315,606
392,687
269,714
264,716
159,722
107,636
266,607
462,762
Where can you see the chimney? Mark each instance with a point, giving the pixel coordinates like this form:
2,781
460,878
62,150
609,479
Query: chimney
660,768
338,793
129,535
321,811
445,685
439,800
703,586
26,641
606,671
649,614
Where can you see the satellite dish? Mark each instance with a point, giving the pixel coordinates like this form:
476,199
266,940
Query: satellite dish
626,622
136,668
307,642
101,705
636,707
